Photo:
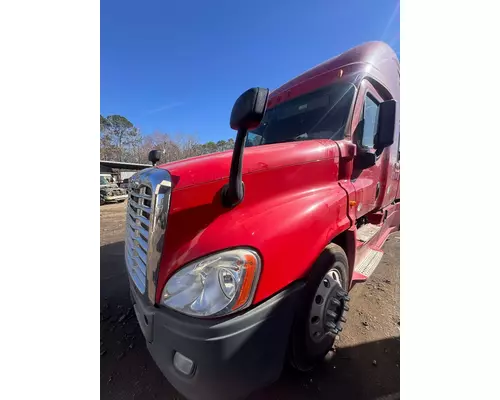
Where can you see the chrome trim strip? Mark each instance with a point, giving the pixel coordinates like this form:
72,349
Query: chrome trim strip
161,204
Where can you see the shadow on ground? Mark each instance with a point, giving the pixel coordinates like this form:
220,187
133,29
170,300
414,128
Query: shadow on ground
367,371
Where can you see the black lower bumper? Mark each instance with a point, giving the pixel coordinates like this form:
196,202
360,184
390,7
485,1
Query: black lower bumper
233,356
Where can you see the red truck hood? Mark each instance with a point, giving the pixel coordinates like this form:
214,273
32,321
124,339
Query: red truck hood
295,183
213,167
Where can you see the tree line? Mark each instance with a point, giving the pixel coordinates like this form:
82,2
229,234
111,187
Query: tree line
122,141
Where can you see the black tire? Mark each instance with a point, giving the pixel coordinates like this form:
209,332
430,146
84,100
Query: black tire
304,353
102,200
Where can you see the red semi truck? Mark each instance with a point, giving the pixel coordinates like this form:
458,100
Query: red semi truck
240,261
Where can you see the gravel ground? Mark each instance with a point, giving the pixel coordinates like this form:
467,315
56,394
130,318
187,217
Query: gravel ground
365,364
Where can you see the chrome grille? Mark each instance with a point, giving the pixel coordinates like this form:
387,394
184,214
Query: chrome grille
138,223
148,203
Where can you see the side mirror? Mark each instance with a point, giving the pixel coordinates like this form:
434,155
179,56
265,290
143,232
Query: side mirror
249,109
154,156
247,113
386,125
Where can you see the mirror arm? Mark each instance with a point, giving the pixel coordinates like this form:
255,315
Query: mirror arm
233,191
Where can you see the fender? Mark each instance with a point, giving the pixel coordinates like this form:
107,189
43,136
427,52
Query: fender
289,215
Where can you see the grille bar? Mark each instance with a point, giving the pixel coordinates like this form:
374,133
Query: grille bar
138,241
138,227
141,196
139,206
137,263
138,278
140,254
136,217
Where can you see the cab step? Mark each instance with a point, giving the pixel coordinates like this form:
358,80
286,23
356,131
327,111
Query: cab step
366,267
366,232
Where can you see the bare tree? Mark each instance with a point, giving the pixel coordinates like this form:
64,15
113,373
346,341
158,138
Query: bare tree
118,136
122,141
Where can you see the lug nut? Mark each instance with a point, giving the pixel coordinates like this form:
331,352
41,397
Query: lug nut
335,302
331,325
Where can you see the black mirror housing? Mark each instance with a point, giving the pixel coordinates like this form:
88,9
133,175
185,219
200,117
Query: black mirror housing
386,125
154,156
365,160
249,109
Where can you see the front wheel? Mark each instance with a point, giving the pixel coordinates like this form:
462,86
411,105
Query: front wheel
321,313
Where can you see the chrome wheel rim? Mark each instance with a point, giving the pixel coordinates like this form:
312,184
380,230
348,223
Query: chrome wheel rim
327,307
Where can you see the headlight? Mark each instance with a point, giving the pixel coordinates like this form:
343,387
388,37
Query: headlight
216,285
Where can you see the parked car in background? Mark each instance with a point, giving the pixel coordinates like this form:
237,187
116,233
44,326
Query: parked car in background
110,192
125,184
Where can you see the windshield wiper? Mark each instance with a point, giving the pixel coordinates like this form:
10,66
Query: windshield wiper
301,136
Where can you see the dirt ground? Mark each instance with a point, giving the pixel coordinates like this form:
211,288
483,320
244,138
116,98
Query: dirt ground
365,364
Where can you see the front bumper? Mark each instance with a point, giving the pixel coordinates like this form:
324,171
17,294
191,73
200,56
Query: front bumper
233,356
116,198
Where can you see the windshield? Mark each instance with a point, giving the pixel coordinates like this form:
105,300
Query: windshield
321,114
105,180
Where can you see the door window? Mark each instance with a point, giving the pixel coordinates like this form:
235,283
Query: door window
370,116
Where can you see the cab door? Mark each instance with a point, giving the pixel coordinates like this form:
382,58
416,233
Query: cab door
370,180
392,191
